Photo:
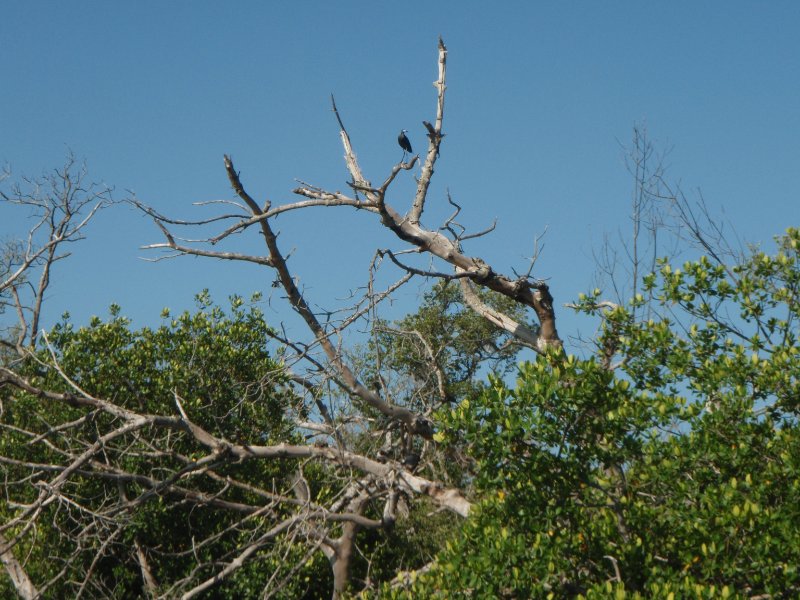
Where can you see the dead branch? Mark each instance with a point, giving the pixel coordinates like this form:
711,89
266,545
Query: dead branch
16,572
62,205
434,138
519,331
417,423
536,295
368,489
450,499
441,378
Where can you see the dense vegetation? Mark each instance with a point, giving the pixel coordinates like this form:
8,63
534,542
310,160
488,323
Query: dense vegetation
464,451
672,474
664,464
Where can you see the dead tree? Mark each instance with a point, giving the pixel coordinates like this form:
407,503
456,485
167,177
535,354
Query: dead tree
406,226
60,205
316,365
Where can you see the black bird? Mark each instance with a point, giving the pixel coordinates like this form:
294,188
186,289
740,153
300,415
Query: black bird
403,141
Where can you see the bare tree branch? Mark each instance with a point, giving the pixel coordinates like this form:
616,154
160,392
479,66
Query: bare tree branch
521,332
368,439
435,138
62,204
16,572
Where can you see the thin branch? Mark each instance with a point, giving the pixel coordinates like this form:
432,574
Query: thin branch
421,272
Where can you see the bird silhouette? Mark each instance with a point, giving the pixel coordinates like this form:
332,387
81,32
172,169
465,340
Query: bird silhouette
403,141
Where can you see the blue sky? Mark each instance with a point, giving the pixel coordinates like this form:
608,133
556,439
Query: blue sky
540,98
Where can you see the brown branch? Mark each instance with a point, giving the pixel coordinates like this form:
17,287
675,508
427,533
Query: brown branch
150,583
441,378
173,245
62,210
450,499
99,555
240,559
44,282
343,549
350,157
395,171
536,295
477,234
151,212
422,272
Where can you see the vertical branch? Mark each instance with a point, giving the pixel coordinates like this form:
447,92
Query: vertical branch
150,583
359,181
44,282
342,557
640,167
435,137
643,253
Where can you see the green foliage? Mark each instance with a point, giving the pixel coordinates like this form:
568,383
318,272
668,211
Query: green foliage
444,335
218,368
457,341
411,543
672,475
437,355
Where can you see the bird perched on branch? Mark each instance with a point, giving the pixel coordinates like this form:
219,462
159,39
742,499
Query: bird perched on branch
404,143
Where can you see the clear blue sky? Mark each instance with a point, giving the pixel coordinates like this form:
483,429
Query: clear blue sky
540,96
